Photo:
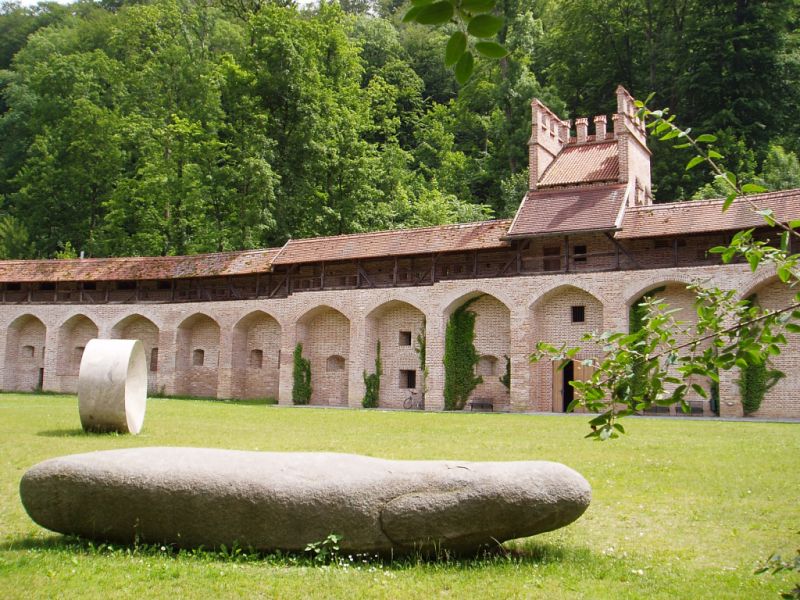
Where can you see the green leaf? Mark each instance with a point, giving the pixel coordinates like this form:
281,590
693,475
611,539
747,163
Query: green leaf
484,26
794,224
753,188
464,67
477,6
435,14
707,138
714,154
412,13
694,162
455,48
491,50
728,201
421,2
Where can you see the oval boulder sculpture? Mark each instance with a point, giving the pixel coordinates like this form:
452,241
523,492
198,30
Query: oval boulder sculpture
112,386
195,497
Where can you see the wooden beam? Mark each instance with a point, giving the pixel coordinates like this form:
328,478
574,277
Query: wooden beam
362,274
282,281
475,264
675,251
322,276
258,283
433,268
622,248
394,273
566,254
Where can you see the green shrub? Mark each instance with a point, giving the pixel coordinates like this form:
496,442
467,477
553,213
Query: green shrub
460,357
372,382
754,382
420,349
301,372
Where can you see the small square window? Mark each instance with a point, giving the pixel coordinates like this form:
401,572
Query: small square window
405,338
154,360
408,379
578,314
198,357
579,252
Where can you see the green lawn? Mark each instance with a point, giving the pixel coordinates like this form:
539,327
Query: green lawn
681,509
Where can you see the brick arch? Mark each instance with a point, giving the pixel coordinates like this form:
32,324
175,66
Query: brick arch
635,291
396,324
139,327
556,287
492,338
198,332
456,299
24,360
73,335
257,333
756,282
553,320
325,331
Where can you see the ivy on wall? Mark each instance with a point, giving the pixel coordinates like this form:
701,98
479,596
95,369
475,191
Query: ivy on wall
372,382
505,379
460,357
756,380
301,373
420,349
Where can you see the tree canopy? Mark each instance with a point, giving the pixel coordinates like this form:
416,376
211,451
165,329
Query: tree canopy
181,126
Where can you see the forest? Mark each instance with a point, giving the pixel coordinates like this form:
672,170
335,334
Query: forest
170,127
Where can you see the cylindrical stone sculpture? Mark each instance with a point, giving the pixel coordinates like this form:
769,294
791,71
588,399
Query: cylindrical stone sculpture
112,386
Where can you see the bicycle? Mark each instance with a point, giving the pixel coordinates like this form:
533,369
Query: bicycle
414,400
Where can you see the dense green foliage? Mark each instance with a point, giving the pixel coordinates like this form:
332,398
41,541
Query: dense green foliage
505,378
372,382
179,126
460,357
301,376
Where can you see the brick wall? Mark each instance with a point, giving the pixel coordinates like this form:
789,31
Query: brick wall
255,358
197,334
520,311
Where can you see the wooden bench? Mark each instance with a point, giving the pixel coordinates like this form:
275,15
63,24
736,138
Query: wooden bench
481,405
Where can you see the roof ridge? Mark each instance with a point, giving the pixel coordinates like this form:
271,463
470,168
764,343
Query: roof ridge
83,261
708,201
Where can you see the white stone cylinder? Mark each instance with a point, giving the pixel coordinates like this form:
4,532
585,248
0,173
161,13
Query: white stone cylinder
112,386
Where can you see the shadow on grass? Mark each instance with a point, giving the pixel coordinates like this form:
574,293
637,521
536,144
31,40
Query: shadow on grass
60,433
235,401
531,553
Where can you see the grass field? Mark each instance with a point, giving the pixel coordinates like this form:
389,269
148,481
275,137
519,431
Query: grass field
681,509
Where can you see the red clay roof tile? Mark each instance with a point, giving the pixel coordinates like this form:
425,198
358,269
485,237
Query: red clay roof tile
158,267
403,242
583,163
706,216
568,210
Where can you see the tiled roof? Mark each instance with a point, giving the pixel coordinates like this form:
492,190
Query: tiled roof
159,267
705,216
569,210
583,163
403,242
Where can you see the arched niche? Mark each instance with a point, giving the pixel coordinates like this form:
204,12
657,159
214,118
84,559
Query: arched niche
562,315
24,360
255,356
399,326
73,336
197,357
325,332
492,338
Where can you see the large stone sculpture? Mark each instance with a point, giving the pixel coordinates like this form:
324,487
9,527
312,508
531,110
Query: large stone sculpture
112,386
205,497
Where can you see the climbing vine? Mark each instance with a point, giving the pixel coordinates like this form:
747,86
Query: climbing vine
372,381
505,379
460,357
420,349
756,380
301,372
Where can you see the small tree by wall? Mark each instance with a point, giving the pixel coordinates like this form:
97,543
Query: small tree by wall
460,357
372,382
420,349
301,372
505,379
